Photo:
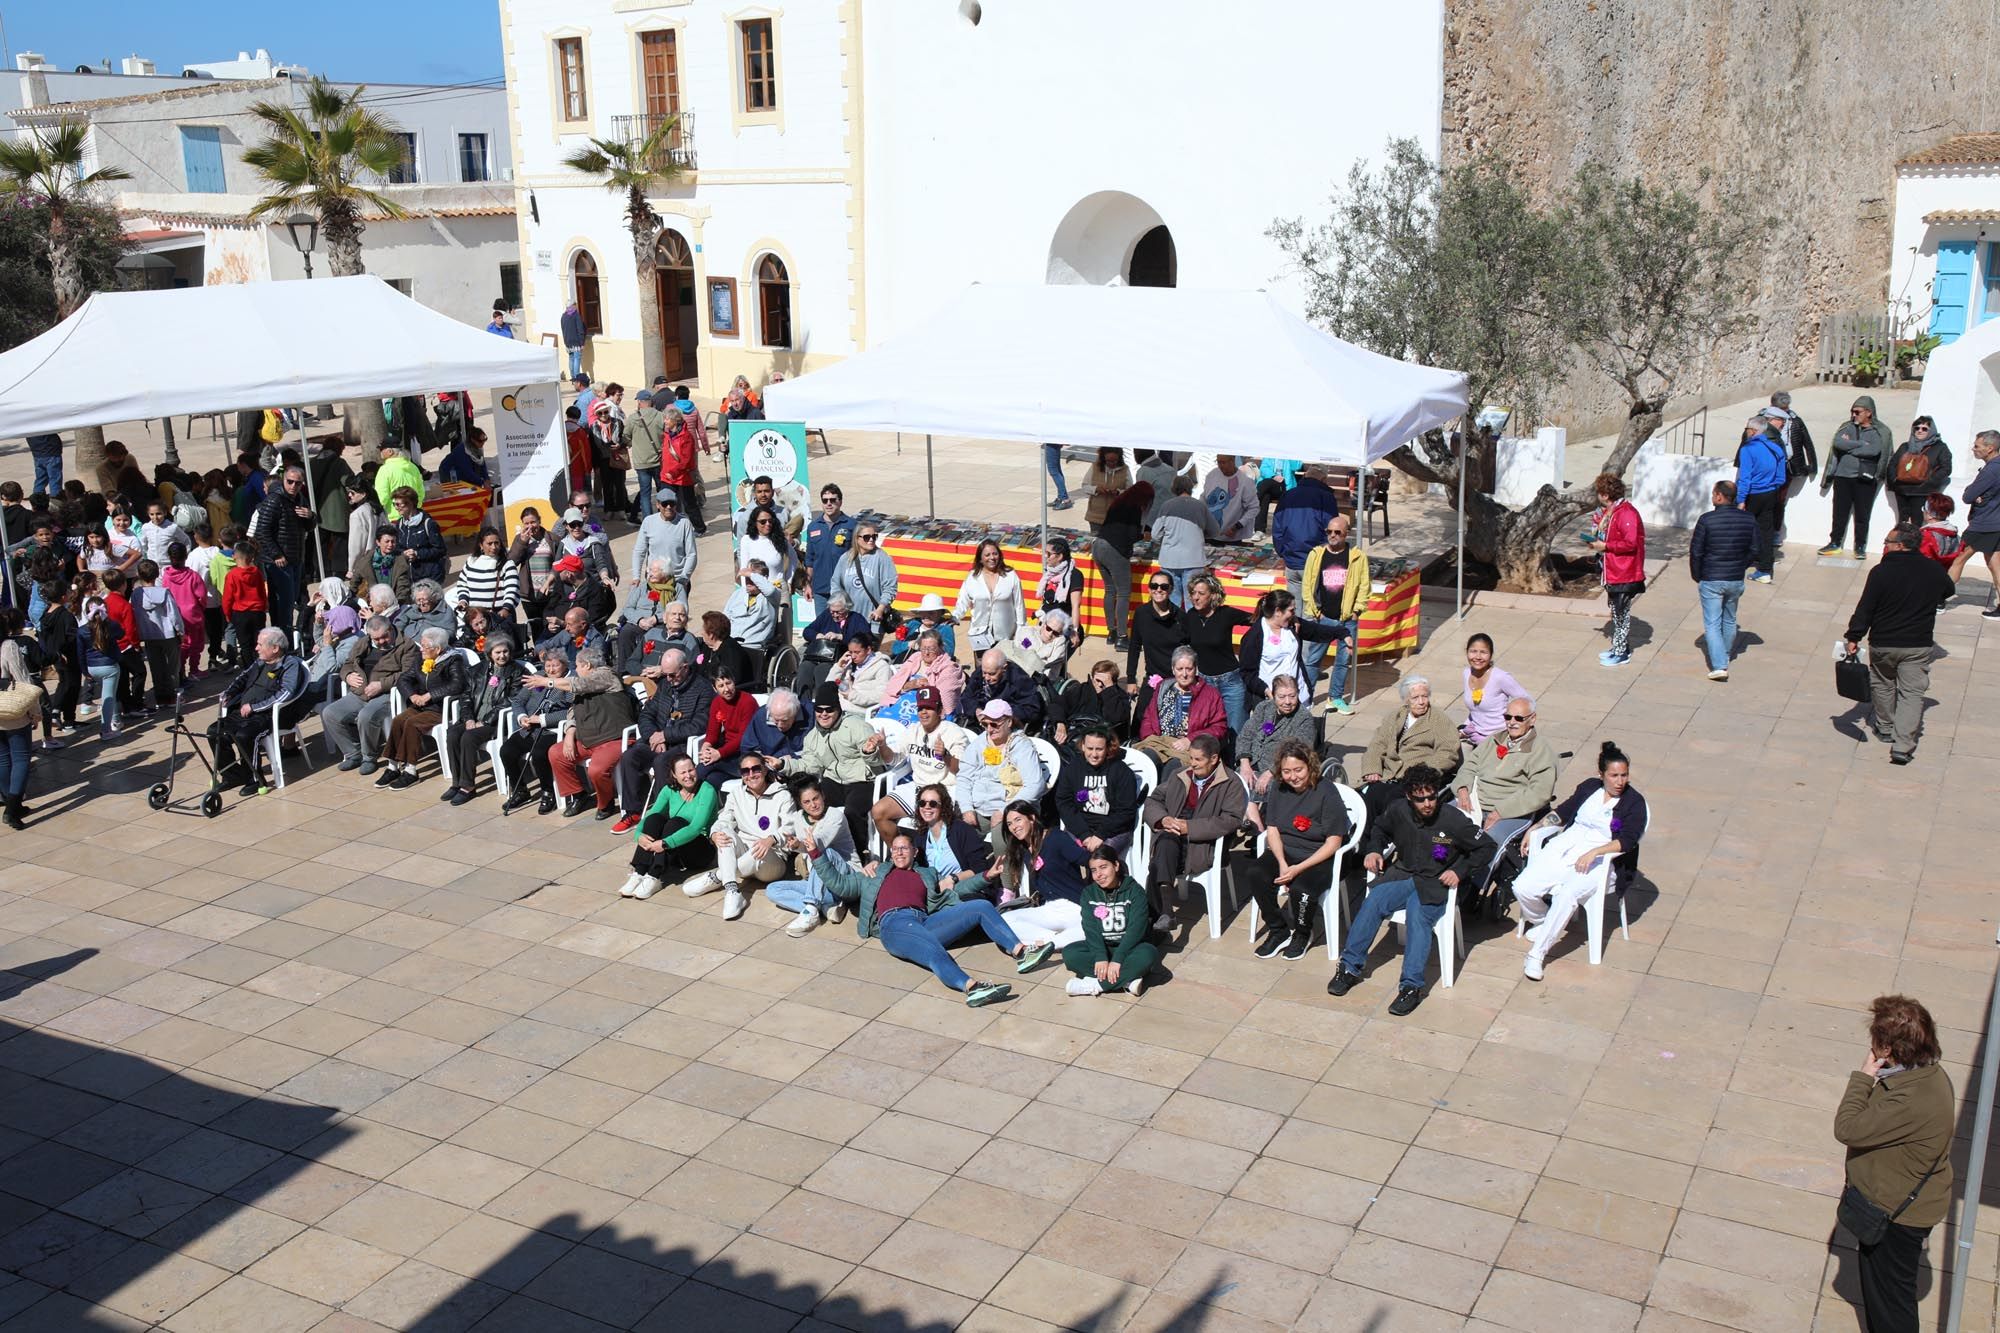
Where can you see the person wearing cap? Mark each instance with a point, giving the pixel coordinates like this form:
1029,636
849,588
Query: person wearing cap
585,539
845,753
828,537
648,431
668,539
924,753
1000,679
1762,473
392,473
931,614
1002,769
575,593
1857,463
931,667
754,819
1802,457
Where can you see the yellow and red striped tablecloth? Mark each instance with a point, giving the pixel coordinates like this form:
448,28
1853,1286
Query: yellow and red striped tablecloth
1388,625
459,509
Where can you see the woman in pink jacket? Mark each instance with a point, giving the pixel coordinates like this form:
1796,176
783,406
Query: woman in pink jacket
1619,535
929,665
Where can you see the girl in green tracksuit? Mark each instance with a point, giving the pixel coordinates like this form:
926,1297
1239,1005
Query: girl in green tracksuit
1114,953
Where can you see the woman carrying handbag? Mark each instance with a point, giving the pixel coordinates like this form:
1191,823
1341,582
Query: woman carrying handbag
1895,1121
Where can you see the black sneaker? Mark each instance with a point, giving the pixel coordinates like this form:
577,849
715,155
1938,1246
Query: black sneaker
1993,614
250,788
1300,944
448,793
389,776
573,806
1406,1001
1273,942
519,797
1900,759
546,806
1343,982
405,780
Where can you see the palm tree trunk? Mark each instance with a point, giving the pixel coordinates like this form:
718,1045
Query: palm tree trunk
66,275
645,239
362,421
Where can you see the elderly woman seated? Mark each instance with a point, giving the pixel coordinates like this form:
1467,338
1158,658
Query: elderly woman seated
933,665
1278,717
1182,707
1417,733
1604,816
861,675
824,640
1042,650
438,676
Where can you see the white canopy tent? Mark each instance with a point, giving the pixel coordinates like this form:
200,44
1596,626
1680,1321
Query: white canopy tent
129,356
1158,368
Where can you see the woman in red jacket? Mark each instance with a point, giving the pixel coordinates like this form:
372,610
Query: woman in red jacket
728,715
1619,535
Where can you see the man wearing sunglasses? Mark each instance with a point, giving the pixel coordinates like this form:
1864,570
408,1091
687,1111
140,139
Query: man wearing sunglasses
1510,777
1435,849
756,816
827,538
928,751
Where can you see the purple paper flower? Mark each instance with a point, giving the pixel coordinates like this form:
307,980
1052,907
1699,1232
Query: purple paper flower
1617,824
1269,727
1440,853
1027,641
1083,798
763,821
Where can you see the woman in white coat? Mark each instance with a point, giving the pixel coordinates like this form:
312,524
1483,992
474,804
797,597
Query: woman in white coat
989,601
1604,817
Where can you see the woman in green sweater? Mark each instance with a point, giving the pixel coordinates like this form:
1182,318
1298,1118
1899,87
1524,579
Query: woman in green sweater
1114,953
673,833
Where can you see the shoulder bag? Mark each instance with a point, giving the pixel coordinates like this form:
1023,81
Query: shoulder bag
1865,1218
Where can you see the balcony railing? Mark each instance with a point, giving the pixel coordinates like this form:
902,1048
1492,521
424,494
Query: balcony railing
678,148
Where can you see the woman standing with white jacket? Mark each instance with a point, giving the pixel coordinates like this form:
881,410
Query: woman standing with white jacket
990,599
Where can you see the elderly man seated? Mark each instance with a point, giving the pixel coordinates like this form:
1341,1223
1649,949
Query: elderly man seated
1001,680
574,635
1278,717
1003,768
924,753
1183,707
756,818
1419,732
358,721
575,588
641,642
275,677
931,665
776,731
426,610
1510,777
677,713
1435,848
1191,808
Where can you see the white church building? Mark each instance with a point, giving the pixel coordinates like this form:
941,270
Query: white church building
851,164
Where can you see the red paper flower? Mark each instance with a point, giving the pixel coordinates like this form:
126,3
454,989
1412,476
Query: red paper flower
1500,749
653,595
1301,823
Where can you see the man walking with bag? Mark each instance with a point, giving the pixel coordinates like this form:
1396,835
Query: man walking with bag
1898,616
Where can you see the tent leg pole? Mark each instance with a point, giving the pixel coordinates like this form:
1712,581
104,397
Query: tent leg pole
1462,455
305,462
930,474
1044,469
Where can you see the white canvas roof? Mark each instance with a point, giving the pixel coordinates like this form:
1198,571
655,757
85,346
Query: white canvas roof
1136,367
124,356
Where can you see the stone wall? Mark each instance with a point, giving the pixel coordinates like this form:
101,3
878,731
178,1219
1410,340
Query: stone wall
1807,102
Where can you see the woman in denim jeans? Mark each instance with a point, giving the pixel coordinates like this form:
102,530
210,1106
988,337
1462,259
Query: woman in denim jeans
1214,631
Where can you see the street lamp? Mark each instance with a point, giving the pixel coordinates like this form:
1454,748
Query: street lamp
304,228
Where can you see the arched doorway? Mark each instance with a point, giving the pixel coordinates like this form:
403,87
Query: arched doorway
589,300
1112,238
673,273
774,302
1152,263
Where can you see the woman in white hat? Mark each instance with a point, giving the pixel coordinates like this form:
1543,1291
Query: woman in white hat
931,613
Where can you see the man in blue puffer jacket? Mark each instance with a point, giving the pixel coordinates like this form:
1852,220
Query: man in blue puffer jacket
1762,472
1724,545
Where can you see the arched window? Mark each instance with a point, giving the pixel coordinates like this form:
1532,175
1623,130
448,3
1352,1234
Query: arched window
1153,263
589,303
672,251
774,301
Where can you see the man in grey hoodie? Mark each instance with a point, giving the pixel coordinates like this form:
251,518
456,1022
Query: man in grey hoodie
1856,464
665,536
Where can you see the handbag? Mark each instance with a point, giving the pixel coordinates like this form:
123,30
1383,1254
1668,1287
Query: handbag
1865,1219
1913,468
20,706
891,617
1850,679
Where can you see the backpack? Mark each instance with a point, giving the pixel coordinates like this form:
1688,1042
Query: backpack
1946,539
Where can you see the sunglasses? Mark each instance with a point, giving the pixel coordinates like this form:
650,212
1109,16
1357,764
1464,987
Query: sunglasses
1161,587
1519,717
995,722
1427,798
864,536
751,770
930,805
1336,532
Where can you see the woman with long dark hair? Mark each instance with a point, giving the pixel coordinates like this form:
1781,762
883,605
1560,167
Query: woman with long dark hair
1111,550
990,603
1604,817
672,834
1305,823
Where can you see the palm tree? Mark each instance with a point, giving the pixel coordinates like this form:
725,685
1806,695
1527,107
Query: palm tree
634,169
51,166
314,160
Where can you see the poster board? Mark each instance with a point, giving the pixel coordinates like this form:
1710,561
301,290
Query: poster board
529,449
774,449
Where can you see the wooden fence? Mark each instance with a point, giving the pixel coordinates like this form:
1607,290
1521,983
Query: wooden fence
1841,336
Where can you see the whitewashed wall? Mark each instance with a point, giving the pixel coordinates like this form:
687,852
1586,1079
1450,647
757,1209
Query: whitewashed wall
1913,247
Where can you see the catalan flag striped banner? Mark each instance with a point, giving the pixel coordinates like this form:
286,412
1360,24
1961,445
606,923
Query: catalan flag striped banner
1389,625
459,509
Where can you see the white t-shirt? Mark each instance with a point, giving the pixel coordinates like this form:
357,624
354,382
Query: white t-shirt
1278,654
927,753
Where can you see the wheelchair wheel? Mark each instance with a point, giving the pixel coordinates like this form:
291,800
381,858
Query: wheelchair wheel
784,668
211,804
160,794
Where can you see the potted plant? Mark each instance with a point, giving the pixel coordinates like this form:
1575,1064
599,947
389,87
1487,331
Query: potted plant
1867,366
1913,355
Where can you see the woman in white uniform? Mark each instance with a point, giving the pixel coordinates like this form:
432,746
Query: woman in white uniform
1605,816
989,601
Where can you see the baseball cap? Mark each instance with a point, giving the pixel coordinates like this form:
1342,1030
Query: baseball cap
572,515
928,697
569,564
996,708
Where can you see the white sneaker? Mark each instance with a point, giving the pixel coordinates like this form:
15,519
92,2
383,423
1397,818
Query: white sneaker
1135,986
648,886
804,922
836,914
734,904
1718,674
1084,986
1531,967
705,882
631,885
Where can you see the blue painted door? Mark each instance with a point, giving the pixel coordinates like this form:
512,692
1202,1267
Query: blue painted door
1989,302
201,155
1951,290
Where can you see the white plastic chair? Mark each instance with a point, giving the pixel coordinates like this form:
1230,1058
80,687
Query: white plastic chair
1210,879
1147,777
1593,906
503,727
272,741
1357,816
453,709
893,733
1051,759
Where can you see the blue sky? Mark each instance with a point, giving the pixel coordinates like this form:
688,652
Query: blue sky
368,41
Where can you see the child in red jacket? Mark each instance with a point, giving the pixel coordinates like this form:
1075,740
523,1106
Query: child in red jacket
245,599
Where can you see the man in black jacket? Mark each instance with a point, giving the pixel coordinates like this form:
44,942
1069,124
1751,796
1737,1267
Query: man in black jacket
575,587
282,525
677,712
999,678
1723,547
1898,616
1436,848
276,677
